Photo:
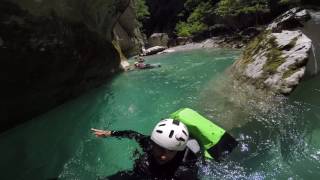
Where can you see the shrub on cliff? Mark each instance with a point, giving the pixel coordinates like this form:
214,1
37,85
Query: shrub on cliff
236,7
202,12
184,29
142,11
289,2
196,21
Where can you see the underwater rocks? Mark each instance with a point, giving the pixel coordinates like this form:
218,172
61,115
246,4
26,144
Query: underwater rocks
276,59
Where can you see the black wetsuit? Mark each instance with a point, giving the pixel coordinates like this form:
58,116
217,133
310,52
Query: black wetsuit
146,167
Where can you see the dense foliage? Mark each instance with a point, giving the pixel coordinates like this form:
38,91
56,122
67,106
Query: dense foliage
142,10
197,16
237,7
196,22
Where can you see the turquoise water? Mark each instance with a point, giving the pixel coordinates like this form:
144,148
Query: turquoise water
278,139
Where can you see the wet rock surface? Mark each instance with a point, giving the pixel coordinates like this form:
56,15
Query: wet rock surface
51,54
276,59
126,32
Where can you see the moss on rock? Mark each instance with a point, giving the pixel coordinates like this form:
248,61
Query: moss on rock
253,48
290,72
274,57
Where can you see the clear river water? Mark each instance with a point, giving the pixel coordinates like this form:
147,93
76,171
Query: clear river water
279,139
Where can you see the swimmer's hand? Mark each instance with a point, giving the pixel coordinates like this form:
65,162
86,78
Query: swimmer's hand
101,133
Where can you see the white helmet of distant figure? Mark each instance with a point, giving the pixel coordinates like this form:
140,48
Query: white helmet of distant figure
170,134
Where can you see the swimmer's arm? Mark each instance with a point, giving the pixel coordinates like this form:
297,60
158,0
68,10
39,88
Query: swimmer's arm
101,133
121,134
128,134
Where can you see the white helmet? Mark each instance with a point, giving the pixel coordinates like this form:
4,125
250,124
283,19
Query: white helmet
170,134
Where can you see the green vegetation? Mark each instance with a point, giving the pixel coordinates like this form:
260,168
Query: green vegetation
290,72
185,29
142,10
274,57
265,44
196,21
197,14
273,53
274,60
254,47
238,7
202,10
289,2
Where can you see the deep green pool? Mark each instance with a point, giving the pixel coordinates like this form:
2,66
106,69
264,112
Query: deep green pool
281,141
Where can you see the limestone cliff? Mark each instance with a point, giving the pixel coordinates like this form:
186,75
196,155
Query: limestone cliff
127,33
277,58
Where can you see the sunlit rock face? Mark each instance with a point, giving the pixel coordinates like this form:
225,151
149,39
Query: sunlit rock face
127,33
276,60
52,51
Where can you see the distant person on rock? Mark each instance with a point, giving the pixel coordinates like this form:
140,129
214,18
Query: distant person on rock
171,152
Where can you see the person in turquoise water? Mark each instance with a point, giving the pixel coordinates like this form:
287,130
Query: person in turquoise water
140,64
171,152
165,155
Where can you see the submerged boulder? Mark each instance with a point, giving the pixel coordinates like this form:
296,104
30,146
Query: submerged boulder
276,59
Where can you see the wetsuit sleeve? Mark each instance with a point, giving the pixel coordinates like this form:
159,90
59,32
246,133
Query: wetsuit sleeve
140,138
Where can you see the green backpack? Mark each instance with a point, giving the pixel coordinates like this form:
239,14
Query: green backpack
203,130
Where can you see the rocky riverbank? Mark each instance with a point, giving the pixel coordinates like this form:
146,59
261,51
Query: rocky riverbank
276,60
236,41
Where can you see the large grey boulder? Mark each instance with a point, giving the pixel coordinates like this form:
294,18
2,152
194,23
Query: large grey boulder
289,20
183,40
158,39
276,59
154,50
